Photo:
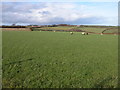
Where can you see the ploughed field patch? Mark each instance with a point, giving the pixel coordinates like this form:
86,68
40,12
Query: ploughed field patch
16,29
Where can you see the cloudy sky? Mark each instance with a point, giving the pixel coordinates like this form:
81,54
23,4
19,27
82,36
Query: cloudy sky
40,13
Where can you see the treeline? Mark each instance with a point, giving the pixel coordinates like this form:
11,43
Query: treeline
55,25
13,26
97,26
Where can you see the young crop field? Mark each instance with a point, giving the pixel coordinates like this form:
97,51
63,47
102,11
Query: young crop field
59,60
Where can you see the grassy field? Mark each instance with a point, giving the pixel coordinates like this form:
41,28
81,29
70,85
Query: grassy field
59,60
92,29
87,29
54,28
112,31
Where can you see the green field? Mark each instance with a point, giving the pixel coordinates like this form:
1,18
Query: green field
54,28
57,28
91,29
87,29
59,60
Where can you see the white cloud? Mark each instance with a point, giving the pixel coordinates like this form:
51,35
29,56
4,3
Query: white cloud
53,13
66,11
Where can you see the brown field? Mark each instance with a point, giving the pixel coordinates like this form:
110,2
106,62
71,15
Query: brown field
16,29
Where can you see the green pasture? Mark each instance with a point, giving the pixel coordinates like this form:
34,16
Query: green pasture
33,59
87,29
112,31
92,29
55,28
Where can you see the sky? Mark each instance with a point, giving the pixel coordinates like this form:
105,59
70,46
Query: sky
60,0
44,13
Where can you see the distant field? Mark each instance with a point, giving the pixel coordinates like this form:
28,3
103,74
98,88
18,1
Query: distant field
55,28
115,30
16,29
59,60
92,29
87,29
95,30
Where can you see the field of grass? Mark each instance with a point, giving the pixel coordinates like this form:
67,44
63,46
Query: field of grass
88,29
112,31
59,60
55,28
92,29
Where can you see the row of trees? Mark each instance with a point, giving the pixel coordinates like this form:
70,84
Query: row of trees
13,26
54,25
97,26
